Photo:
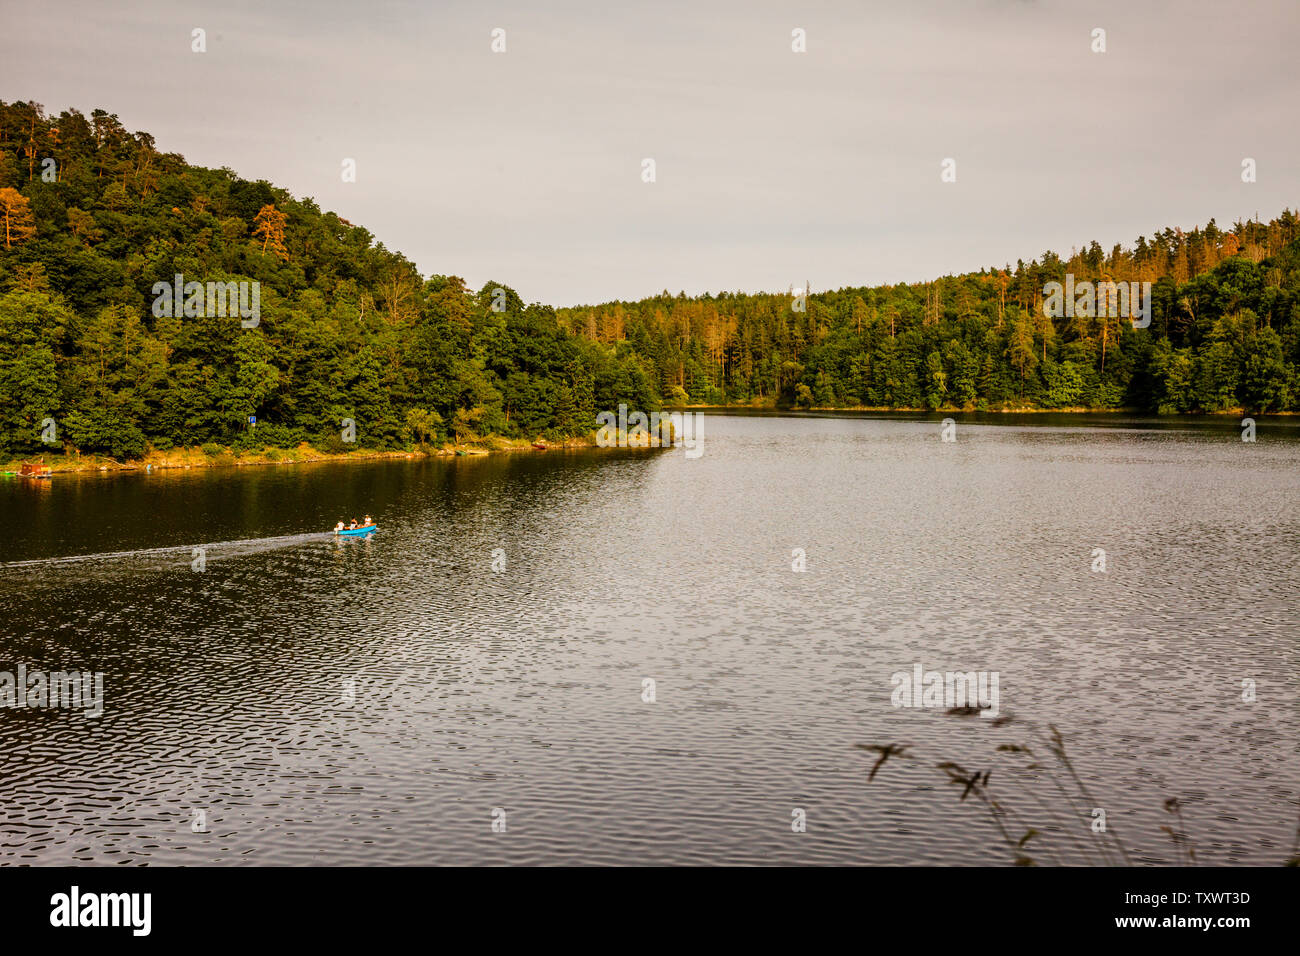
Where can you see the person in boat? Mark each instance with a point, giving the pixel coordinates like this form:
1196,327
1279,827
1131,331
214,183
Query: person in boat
366,522
339,526
353,526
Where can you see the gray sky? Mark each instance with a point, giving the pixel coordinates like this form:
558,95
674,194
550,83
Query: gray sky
772,167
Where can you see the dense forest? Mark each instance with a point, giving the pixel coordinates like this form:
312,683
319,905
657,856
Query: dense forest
1224,333
95,216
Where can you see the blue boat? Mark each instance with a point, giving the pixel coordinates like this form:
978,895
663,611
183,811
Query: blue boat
353,532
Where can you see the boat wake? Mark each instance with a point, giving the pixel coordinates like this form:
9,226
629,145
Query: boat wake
207,551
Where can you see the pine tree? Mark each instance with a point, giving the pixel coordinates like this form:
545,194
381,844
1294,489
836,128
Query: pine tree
19,223
269,224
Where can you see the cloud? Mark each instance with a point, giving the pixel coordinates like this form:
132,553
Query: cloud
772,166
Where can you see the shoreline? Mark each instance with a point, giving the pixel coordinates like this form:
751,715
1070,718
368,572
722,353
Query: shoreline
202,457
1004,410
197,457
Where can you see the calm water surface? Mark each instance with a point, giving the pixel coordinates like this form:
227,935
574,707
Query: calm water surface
227,688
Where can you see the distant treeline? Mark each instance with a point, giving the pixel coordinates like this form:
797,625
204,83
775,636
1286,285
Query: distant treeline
94,216
1224,333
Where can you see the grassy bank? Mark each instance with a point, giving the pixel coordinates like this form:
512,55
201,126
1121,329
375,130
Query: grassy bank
214,456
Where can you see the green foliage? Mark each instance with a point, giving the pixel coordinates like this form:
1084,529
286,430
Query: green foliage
347,329
267,435
423,425
1224,334
32,328
105,430
1064,382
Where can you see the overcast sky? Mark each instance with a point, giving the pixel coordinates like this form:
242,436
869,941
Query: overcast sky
772,166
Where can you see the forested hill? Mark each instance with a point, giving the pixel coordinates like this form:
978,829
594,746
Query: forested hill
1224,333
95,215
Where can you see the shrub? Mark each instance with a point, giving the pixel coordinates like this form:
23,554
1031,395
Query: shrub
333,443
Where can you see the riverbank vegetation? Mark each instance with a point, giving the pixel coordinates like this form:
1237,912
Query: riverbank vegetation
212,455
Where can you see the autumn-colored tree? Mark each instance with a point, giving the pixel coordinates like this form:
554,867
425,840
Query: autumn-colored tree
269,224
17,212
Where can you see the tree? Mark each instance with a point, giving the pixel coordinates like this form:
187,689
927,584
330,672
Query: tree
82,225
32,328
17,213
269,224
936,380
31,277
423,424
398,291
114,196
1020,347
1266,382
466,422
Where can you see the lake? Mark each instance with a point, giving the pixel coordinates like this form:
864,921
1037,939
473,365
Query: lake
283,697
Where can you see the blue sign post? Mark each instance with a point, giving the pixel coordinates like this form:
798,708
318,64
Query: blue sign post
252,421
